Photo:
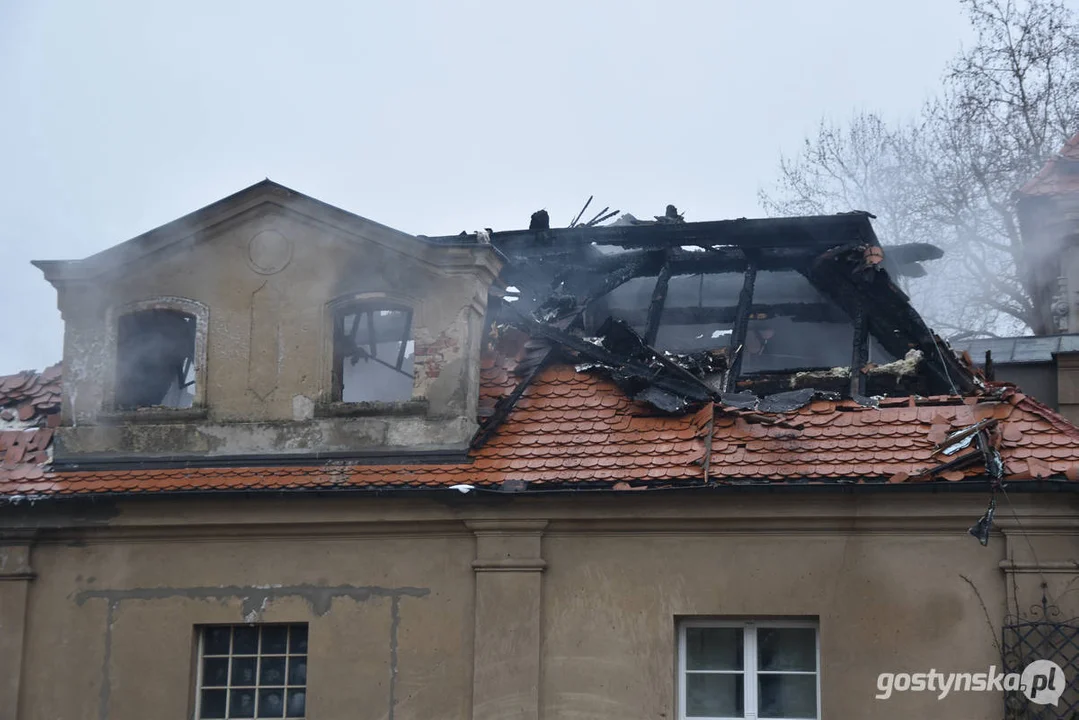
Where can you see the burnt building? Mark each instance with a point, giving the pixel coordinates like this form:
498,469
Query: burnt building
298,464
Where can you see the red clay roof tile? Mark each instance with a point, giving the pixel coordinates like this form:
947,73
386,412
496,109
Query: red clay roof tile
572,427
1058,176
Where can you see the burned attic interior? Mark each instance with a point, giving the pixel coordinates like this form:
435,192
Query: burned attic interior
753,314
373,353
155,359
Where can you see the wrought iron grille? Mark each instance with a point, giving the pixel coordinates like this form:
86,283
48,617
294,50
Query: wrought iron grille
1042,635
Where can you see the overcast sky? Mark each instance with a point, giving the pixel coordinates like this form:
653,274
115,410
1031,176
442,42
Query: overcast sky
432,117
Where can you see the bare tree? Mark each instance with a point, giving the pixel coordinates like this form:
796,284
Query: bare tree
949,176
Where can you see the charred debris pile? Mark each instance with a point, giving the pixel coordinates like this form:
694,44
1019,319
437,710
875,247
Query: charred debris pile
759,315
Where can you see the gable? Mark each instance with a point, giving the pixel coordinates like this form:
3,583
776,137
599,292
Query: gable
261,204
183,339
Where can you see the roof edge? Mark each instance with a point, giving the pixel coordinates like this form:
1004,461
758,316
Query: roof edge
202,219
970,485
109,463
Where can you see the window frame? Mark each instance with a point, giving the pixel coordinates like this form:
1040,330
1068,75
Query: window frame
749,662
200,657
333,364
201,314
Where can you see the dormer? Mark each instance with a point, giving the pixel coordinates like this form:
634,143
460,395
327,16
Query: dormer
270,323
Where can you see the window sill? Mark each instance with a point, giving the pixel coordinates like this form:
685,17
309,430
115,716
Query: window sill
153,415
371,409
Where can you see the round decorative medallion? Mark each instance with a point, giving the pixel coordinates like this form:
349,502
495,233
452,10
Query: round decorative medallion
269,252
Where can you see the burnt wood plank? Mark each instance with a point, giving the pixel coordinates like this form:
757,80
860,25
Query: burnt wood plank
860,351
655,308
741,322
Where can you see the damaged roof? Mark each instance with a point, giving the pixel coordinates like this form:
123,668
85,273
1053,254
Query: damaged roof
575,429
680,313
668,354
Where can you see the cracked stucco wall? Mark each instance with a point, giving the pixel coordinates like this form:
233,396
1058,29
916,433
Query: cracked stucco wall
533,608
116,620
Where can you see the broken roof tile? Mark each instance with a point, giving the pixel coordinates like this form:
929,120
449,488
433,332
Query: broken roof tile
575,427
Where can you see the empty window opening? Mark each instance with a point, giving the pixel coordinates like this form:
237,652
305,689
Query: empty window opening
373,354
698,313
155,359
252,671
740,670
793,327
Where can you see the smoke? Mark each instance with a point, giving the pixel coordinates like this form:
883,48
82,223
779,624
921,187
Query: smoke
950,174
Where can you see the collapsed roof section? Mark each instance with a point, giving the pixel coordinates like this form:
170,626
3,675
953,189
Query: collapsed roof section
748,313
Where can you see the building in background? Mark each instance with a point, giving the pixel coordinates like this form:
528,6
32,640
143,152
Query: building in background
1047,367
298,464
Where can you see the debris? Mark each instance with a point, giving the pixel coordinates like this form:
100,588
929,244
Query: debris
742,400
602,216
578,218
662,380
463,489
670,216
672,311
984,526
628,219
953,449
905,260
800,378
540,221
790,401
899,368
961,439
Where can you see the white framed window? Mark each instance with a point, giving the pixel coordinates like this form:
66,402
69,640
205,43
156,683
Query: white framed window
252,671
745,670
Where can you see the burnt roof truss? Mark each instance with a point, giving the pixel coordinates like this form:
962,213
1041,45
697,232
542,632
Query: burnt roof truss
684,313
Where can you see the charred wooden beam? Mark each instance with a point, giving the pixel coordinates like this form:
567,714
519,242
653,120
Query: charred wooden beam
860,352
817,231
638,266
797,312
741,323
889,316
505,405
578,218
683,262
577,274
659,298
678,381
